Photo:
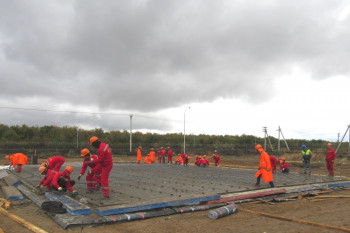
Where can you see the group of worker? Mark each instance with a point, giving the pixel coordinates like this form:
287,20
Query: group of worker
99,165
284,166
17,159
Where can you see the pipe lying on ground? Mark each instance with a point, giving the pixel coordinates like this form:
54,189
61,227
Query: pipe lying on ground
283,199
332,197
23,222
296,220
223,211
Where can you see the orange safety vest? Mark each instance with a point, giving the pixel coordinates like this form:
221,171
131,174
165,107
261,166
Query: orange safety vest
265,169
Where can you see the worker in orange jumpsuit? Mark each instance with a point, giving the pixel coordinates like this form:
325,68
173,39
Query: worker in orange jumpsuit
13,160
54,163
284,166
21,160
265,169
105,161
139,155
330,157
170,155
216,160
179,160
274,162
48,176
147,160
93,178
152,155
62,182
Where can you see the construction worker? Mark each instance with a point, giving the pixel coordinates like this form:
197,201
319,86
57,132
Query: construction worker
159,154
179,160
13,160
152,155
330,157
274,162
139,155
284,166
170,155
21,160
265,170
185,158
216,160
306,153
62,182
148,159
104,160
163,154
204,162
54,163
198,160
93,178
48,176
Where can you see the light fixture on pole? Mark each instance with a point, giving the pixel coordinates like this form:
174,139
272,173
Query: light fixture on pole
185,129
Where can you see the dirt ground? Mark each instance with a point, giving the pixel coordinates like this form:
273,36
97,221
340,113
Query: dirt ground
331,211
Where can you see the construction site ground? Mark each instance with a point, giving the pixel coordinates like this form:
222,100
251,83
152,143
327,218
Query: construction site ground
331,211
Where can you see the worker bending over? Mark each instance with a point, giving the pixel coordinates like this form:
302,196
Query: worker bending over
198,160
104,161
216,159
264,170
284,166
274,162
179,160
54,163
204,161
62,182
93,178
48,176
18,160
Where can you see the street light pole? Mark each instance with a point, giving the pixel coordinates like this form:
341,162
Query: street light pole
185,129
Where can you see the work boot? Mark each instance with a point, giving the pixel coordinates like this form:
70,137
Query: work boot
257,184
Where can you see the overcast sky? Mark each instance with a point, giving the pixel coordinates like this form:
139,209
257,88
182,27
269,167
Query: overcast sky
239,64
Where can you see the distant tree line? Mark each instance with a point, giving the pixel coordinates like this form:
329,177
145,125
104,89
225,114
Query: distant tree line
49,137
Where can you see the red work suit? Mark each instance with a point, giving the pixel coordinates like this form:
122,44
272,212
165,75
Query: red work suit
273,161
55,163
284,166
66,178
330,157
46,181
139,155
216,160
170,156
21,160
264,167
104,161
204,162
185,159
159,153
197,162
94,176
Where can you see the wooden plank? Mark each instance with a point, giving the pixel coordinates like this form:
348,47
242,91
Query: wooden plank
11,193
247,195
119,209
73,206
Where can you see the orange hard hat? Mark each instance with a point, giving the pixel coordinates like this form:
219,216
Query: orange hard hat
42,169
189,157
196,156
329,144
93,139
70,169
281,161
257,147
140,147
168,147
200,157
43,164
283,158
178,154
7,157
84,152
152,148
204,156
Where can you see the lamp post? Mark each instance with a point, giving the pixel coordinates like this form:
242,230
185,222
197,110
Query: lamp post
185,129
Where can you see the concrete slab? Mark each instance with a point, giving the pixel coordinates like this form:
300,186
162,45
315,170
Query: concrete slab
12,180
72,206
11,193
3,174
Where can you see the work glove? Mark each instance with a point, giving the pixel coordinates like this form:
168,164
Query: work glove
79,177
60,188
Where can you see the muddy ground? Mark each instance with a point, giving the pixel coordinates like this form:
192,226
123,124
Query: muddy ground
331,211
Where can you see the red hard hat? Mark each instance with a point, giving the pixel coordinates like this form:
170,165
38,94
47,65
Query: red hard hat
93,139
84,152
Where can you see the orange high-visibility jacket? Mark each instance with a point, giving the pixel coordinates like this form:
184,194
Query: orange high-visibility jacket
13,160
264,167
21,159
139,154
152,155
180,160
147,160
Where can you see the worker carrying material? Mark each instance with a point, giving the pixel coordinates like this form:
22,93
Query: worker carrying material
330,157
179,160
284,166
62,182
48,176
170,155
264,170
152,155
147,160
18,160
216,158
306,153
274,162
54,163
105,161
139,155
93,178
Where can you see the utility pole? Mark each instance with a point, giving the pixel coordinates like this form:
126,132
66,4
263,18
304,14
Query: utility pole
280,133
338,137
347,129
268,138
185,129
77,138
131,132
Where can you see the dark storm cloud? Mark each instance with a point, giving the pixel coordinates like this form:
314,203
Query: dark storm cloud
151,55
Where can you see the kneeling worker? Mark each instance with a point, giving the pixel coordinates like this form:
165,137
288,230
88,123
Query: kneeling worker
93,177
284,166
62,181
265,170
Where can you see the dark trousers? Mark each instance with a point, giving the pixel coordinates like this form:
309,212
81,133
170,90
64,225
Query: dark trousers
258,181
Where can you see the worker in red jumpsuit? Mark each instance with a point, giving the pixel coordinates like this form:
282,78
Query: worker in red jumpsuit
170,155
185,158
54,163
62,182
330,157
216,160
273,161
105,161
204,161
93,178
284,166
163,154
48,176
159,156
